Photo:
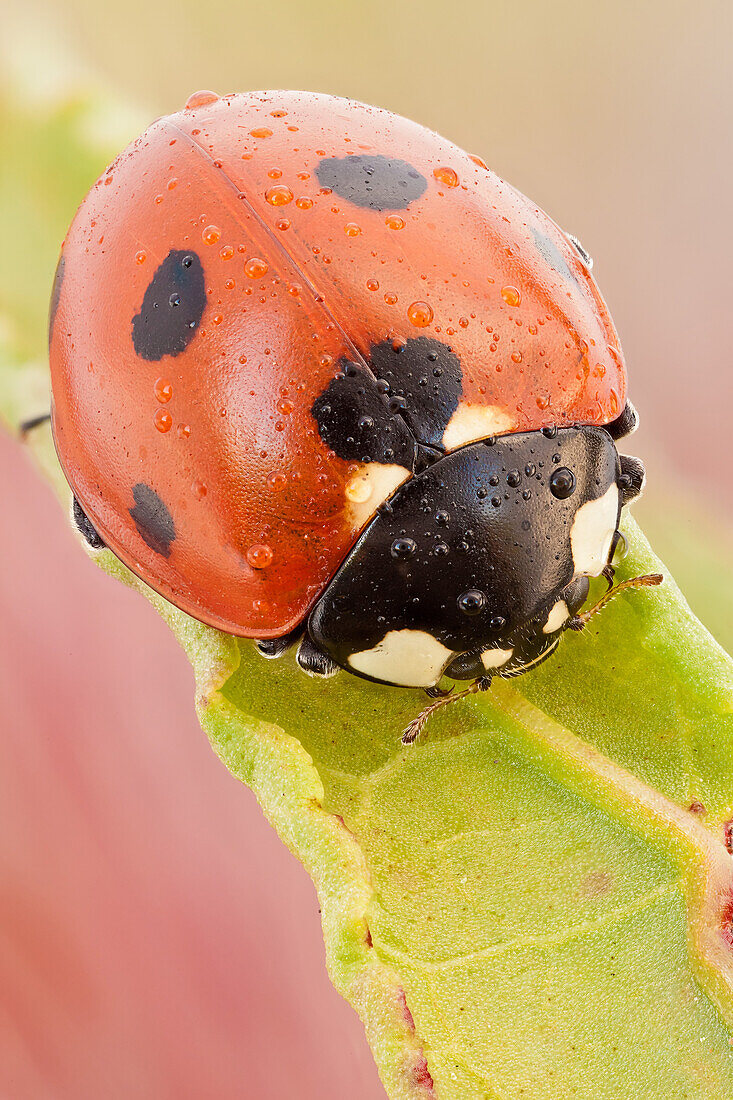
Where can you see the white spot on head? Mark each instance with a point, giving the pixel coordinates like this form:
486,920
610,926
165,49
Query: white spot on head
592,533
410,658
470,423
494,658
370,487
559,614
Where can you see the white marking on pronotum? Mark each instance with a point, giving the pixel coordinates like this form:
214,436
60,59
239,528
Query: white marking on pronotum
592,533
370,487
494,658
410,658
559,614
472,422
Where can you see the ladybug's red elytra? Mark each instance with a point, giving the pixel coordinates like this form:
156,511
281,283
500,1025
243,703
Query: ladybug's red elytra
320,376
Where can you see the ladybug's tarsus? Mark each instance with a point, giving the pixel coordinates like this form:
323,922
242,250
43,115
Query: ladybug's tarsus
33,422
313,661
85,527
437,692
633,476
272,648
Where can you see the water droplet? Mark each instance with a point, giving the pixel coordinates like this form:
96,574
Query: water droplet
275,174
511,295
211,234
277,481
394,221
477,160
513,478
351,229
358,490
200,99
403,548
255,268
447,176
172,184
163,420
543,401
516,357
163,390
284,407
471,602
279,195
390,299
303,202
226,252
282,224
260,132
140,257
419,314
372,284
199,490
259,556
183,431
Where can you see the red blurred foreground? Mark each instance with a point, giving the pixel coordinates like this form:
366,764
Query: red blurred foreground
156,939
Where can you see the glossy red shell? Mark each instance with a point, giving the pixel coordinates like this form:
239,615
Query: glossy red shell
296,279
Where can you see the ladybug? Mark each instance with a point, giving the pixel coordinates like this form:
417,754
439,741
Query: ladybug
321,378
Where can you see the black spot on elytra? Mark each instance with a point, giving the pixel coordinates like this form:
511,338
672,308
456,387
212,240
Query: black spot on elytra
354,419
406,398
55,295
172,307
152,519
425,376
380,183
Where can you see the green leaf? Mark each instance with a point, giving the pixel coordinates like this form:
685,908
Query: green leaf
523,903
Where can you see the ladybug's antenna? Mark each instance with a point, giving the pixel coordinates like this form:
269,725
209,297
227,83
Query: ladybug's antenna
579,622
417,725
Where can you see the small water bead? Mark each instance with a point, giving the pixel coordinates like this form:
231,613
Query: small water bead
259,555
183,431
158,200
394,221
403,548
303,202
516,357
447,176
511,295
543,401
358,490
163,390
260,132
230,284
199,490
255,268
390,299
284,407
477,160
351,229
372,284
275,174
472,602
163,420
172,183
211,234
279,195
277,481
200,99
140,257
419,314
282,224
226,252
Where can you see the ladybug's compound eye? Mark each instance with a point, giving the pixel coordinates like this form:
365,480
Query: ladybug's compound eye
562,483
582,252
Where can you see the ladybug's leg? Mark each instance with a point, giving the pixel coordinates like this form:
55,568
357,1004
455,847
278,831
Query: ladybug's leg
438,692
417,725
624,424
26,426
632,477
313,660
272,648
85,527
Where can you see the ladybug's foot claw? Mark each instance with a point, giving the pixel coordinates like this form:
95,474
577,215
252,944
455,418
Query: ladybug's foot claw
438,692
609,573
417,725
27,426
579,622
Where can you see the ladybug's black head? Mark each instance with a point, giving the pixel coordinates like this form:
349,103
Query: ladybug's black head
476,565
